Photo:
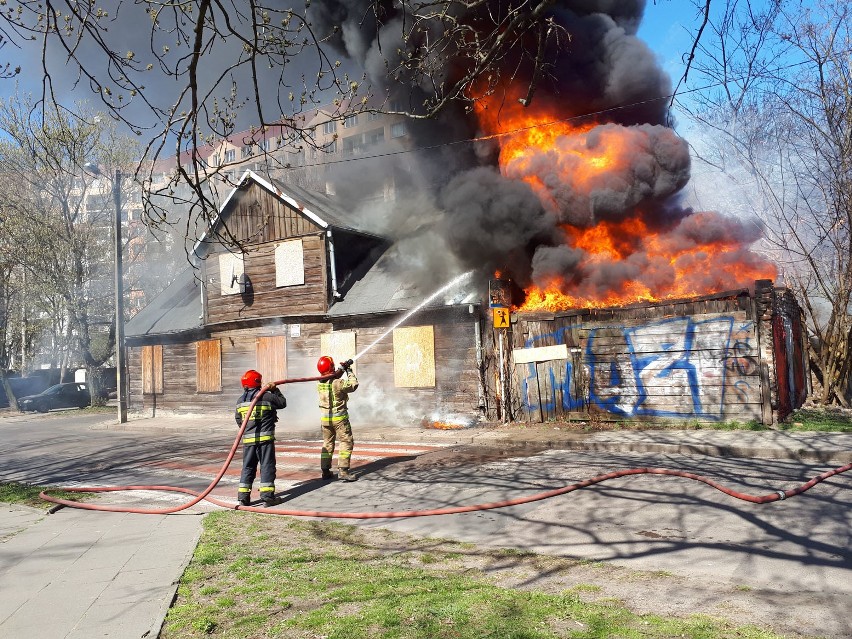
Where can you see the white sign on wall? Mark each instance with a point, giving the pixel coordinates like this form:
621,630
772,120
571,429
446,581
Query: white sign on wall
231,266
539,354
289,263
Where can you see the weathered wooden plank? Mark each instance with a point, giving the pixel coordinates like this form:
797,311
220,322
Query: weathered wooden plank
268,300
209,366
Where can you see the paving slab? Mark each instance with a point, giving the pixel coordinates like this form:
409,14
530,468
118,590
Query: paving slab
98,574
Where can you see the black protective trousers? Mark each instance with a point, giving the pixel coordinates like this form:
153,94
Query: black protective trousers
264,455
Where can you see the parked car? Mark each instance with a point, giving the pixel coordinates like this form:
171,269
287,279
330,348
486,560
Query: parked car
71,395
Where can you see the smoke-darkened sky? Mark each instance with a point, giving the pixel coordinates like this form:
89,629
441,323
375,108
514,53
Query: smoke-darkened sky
513,217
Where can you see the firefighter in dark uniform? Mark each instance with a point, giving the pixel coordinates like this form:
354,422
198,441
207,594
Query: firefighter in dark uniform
333,401
258,437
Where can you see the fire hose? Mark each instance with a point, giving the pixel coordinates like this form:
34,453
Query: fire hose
204,495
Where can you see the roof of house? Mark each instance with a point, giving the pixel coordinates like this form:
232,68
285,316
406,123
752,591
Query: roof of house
390,287
320,205
175,310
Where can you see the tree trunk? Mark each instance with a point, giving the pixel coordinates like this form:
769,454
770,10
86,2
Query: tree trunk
7,388
93,377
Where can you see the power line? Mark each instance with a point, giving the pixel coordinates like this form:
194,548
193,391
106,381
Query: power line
493,136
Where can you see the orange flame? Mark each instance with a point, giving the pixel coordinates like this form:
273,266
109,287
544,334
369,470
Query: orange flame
677,270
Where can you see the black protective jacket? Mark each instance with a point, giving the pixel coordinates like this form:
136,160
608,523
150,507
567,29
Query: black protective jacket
261,424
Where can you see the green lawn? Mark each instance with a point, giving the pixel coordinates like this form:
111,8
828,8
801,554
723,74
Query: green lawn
264,576
26,494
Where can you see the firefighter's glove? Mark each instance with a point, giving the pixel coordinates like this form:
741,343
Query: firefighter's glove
347,365
271,387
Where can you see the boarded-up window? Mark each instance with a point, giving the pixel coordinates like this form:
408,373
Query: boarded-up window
289,263
231,266
272,358
339,345
208,366
414,356
152,369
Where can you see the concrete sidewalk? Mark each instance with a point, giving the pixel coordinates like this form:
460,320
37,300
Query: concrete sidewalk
81,574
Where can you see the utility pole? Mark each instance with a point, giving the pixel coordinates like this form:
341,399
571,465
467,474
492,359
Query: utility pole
120,370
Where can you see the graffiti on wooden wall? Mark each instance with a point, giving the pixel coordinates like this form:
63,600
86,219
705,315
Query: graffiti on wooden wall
677,367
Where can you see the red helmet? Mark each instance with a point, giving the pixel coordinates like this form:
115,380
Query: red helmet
252,379
325,365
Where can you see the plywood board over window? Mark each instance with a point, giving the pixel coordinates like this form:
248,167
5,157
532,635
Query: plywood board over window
340,346
414,357
208,366
289,263
231,266
271,355
152,369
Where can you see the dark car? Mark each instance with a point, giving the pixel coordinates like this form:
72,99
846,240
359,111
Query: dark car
73,395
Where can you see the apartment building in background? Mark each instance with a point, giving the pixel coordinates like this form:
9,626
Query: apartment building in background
308,159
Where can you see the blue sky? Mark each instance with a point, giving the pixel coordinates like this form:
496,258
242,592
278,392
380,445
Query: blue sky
669,28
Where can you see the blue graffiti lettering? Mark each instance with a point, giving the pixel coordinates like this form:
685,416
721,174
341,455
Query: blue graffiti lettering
672,368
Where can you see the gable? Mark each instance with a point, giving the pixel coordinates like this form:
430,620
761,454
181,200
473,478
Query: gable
253,215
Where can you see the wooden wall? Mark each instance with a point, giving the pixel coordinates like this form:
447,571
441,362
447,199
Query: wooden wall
696,360
267,300
455,395
254,216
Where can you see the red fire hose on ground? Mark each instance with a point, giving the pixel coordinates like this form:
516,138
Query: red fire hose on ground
205,494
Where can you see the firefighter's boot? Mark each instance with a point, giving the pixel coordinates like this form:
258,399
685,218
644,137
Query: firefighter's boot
244,500
345,475
271,500
327,475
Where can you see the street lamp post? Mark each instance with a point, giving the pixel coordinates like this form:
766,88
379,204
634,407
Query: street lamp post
120,370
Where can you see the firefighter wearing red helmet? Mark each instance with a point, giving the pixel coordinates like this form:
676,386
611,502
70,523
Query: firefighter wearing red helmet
333,402
258,437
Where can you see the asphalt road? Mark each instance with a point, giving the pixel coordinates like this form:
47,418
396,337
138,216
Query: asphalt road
786,563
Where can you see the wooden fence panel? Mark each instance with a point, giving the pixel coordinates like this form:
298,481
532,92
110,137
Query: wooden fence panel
705,366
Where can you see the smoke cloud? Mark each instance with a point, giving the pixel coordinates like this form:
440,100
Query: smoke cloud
585,201
578,191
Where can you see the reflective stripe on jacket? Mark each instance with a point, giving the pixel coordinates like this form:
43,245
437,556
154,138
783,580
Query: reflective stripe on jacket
334,397
261,424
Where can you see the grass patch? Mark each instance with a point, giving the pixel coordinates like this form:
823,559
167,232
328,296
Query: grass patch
824,420
27,495
734,425
257,576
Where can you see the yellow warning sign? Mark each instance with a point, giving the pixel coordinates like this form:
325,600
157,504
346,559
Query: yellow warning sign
501,317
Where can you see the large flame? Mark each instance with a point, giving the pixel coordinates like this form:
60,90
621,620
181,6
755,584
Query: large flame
678,268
